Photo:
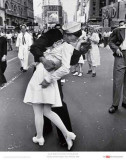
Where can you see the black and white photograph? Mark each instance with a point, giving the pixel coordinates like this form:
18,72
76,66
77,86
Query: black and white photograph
63,79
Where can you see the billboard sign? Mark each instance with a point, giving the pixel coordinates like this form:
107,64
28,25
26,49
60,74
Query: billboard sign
53,17
110,11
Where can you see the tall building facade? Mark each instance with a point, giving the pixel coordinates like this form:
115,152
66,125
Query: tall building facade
30,11
82,11
18,12
2,14
95,11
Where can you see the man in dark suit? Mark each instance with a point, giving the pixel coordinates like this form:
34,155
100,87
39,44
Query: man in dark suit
118,46
3,63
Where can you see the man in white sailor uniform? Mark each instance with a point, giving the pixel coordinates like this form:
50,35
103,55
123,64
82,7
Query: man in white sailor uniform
24,41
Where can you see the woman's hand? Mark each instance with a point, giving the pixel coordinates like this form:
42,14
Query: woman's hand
44,84
3,58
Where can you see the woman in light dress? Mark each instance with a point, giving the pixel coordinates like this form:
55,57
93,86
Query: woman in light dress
43,93
93,56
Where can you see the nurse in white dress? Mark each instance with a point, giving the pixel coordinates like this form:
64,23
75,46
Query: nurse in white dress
43,97
93,56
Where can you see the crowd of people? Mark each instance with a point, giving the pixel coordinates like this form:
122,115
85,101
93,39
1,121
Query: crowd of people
55,51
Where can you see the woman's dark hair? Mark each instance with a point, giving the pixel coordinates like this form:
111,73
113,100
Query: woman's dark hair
57,25
53,35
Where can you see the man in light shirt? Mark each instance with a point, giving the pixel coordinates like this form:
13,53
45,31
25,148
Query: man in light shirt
106,35
118,46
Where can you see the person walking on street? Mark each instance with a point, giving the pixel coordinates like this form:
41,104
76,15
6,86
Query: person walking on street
24,41
106,37
3,63
93,56
118,46
9,40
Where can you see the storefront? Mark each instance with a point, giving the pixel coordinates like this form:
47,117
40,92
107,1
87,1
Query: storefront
2,18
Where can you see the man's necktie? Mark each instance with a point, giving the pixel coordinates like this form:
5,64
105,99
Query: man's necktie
23,40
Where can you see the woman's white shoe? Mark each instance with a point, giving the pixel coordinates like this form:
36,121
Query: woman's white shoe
80,75
40,141
75,74
69,139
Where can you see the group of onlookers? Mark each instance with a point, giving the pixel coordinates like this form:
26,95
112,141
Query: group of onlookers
90,52
11,37
90,48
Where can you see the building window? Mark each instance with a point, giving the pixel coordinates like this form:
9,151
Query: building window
7,21
21,11
12,7
93,13
1,21
6,5
15,8
93,8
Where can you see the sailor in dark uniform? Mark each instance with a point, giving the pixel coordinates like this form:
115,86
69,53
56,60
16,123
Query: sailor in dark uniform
37,49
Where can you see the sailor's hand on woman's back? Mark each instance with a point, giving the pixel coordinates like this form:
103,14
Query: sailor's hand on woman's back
48,64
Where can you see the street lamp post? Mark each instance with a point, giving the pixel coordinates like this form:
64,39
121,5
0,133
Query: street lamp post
85,15
5,22
5,26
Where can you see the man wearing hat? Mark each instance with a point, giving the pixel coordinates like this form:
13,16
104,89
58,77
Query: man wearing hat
118,46
121,23
24,41
72,31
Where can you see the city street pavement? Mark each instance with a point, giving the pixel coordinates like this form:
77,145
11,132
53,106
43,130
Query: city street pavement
88,101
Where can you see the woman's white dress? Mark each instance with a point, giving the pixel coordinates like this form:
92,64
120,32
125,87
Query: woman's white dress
35,94
81,60
93,56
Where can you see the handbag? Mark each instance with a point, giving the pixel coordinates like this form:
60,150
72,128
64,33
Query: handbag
85,47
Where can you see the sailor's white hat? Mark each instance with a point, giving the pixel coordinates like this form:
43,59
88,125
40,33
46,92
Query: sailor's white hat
71,27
